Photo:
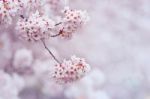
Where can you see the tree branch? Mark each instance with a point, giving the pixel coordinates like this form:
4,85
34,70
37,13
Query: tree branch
58,23
50,52
56,35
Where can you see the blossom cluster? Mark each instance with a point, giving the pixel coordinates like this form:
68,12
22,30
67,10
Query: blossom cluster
9,8
70,70
36,27
39,26
72,21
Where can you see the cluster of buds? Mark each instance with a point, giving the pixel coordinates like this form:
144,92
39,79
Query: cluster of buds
36,27
70,70
9,8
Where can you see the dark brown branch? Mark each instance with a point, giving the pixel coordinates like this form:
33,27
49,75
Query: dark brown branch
58,23
56,35
50,51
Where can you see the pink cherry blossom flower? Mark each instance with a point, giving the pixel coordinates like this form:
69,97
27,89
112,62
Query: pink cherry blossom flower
9,8
72,21
70,70
35,28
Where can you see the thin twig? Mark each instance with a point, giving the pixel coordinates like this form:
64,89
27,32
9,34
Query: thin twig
59,32
56,35
50,51
58,23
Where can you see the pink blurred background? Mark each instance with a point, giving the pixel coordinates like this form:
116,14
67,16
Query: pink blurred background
116,43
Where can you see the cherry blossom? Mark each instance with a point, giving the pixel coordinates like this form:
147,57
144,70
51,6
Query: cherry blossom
9,8
70,70
36,27
72,20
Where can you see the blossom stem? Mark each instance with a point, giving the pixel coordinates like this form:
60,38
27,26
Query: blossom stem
58,23
56,35
50,52
59,32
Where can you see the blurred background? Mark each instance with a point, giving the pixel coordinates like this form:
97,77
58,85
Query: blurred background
116,43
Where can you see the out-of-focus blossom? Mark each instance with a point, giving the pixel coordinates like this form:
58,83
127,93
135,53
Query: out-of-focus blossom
49,85
41,73
76,92
5,52
57,5
22,58
98,76
71,70
9,8
72,21
35,28
88,87
42,67
98,95
10,86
